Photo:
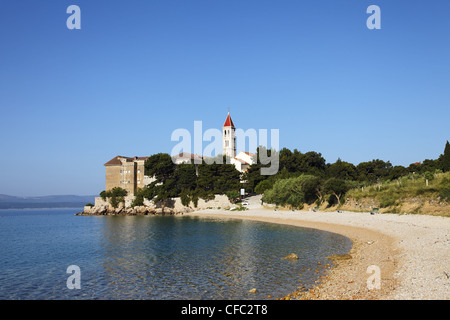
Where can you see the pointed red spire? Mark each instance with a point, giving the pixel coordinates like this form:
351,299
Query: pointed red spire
229,122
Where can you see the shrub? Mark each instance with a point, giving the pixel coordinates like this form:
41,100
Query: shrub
116,196
232,195
185,198
103,195
429,175
264,185
285,192
138,201
444,192
387,200
194,200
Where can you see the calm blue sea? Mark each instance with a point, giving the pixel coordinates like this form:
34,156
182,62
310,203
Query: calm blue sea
155,257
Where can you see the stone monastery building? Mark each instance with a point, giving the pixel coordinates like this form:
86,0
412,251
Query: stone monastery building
128,172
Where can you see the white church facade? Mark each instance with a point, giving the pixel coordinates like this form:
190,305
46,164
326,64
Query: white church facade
242,160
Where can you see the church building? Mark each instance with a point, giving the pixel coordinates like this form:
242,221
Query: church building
128,172
242,160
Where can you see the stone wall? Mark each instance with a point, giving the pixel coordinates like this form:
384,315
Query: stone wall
174,206
219,201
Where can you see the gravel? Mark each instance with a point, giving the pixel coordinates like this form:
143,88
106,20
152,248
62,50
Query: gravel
412,251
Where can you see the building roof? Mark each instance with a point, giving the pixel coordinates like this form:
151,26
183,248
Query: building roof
229,122
187,155
116,160
249,154
241,161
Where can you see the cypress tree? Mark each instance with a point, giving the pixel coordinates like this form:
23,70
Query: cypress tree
446,158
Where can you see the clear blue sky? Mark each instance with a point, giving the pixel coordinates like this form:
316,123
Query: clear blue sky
70,100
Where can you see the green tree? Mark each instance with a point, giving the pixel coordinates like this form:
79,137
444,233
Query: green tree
336,188
397,172
312,188
285,192
217,179
430,165
186,177
228,179
264,185
313,163
161,192
288,160
161,167
294,191
116,195
342,170
233,195
138,197
185,197
373,171
445,159
207,174
253,176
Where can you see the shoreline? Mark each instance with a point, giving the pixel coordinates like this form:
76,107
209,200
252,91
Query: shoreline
411,252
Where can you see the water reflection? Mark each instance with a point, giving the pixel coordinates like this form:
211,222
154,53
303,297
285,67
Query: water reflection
163,257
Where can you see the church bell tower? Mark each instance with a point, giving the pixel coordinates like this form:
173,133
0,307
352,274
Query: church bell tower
229,138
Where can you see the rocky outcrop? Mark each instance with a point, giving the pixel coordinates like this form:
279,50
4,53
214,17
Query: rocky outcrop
102,207
136,211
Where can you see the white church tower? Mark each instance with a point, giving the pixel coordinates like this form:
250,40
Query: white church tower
229,138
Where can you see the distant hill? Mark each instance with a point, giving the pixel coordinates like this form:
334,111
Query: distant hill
56,201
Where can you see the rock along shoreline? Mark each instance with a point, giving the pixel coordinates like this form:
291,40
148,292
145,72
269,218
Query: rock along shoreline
136,211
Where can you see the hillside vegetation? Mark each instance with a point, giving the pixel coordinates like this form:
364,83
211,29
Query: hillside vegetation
415,193
305,180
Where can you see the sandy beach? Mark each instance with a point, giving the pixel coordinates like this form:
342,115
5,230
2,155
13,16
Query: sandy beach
412,253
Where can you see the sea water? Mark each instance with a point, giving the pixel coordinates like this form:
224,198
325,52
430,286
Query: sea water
156,257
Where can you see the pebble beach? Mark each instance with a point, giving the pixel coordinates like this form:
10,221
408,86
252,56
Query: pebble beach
411,253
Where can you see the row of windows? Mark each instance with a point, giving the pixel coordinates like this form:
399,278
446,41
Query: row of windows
227,143
226,132
128,171
127,182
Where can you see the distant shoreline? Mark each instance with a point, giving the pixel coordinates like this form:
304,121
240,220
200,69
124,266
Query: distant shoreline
45,202
42,208
411,252
11,206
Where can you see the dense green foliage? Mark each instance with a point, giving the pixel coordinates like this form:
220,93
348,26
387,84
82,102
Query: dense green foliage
307,178
116,195
293,191
301,178
188,181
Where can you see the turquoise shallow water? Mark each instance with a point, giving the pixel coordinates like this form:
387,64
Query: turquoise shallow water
155,257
